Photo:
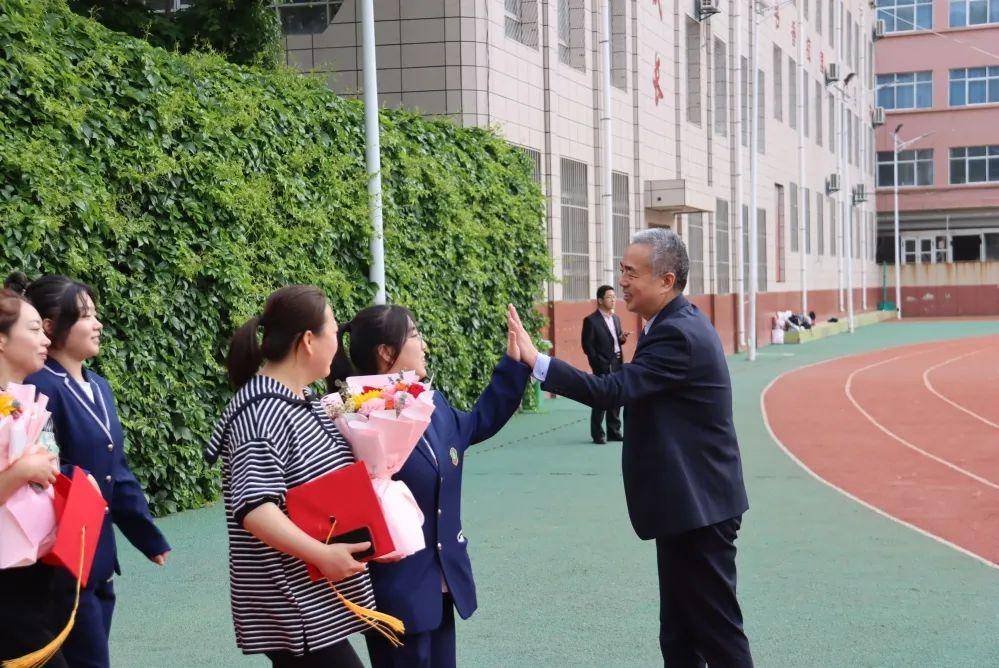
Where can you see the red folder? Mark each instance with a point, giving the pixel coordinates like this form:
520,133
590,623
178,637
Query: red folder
346,496
78,507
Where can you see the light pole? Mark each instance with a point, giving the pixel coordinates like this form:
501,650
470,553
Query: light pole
372,143
898,146
761,10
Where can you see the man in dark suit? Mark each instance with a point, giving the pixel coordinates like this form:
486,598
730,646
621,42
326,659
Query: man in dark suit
681,463
602,339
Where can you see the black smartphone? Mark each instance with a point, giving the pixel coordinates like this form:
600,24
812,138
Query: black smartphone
360,535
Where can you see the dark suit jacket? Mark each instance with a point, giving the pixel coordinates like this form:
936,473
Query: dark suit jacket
410,588
598,343
680,459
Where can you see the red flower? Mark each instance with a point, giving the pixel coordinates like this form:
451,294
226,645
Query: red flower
415,390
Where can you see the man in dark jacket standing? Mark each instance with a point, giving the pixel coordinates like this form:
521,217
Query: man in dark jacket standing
680,459
602,340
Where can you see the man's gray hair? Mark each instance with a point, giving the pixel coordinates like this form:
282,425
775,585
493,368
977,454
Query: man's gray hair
669,254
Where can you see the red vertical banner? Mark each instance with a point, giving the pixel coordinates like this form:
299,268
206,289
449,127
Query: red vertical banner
656,88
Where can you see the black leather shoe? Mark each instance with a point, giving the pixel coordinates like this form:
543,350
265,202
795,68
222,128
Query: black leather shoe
615,437
600,441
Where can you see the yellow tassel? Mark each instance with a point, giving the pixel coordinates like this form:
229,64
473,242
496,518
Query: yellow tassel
387,625
40,657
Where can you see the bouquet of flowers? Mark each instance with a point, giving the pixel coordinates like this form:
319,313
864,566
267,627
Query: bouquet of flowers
27,518
383,418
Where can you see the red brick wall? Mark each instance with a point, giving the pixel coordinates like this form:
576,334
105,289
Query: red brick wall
949,300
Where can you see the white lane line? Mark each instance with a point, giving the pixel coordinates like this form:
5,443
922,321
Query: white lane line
865,504
940,460
929,386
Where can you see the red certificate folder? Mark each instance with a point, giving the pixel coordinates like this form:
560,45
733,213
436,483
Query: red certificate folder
80,511
346,497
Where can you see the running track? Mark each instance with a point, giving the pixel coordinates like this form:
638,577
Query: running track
912,432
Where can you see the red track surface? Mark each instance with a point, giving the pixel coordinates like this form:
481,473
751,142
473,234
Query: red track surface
912,431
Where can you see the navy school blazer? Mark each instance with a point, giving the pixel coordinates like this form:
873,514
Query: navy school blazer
680,458
410,589
90,436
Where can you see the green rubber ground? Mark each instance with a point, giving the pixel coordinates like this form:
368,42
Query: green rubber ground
563,581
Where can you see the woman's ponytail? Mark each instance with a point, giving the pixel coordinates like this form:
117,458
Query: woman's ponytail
245,357
342,368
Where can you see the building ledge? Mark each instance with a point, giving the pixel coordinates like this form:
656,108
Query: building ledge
676,196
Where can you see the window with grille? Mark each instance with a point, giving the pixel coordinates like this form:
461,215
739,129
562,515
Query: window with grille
693,71
907,90
778,83
795,221
744,70
915,168
619,44
622,216
780,233
832,23
723,231
818,113
973,164
974,85
535,157
973,12
761,250
906,15
805,112
306,18
818,16
792,98
833,234
832,124
575,231
571,36
808,221
721,88
694,237
521,19
820,228
761,116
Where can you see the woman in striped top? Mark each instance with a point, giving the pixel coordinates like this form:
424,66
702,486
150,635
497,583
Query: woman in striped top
274,436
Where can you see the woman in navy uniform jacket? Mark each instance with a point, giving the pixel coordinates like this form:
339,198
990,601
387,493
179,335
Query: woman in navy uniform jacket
425,588
89,435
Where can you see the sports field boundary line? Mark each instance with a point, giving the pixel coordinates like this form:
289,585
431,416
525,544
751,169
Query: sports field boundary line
912,446
929,386
852,497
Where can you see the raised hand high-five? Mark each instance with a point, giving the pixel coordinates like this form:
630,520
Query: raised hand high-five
528,352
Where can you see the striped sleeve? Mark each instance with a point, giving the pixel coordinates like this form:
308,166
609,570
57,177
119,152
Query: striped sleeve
256,476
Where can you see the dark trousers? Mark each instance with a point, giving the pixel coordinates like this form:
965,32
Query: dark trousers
87,644
700,618
613,415
431,649
26,621
339,655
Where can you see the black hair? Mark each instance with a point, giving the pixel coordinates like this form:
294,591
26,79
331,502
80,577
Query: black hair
58,298
375,326
11,297
602,290
288,313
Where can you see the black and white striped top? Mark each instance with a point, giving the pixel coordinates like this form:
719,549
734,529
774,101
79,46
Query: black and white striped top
268,448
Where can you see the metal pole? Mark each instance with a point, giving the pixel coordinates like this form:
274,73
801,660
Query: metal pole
607,196
753,160
898,237
373,150
802,87
737,159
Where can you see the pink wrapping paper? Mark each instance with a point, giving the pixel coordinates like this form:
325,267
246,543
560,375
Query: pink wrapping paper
384,440
27,518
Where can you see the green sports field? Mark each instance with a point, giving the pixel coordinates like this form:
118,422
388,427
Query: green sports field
563,581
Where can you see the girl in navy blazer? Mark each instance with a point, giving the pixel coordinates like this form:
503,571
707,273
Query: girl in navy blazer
89,435
425,588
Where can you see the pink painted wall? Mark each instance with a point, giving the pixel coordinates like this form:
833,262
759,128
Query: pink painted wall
953,127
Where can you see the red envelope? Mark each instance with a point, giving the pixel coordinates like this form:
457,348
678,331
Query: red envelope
78,506
347,496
